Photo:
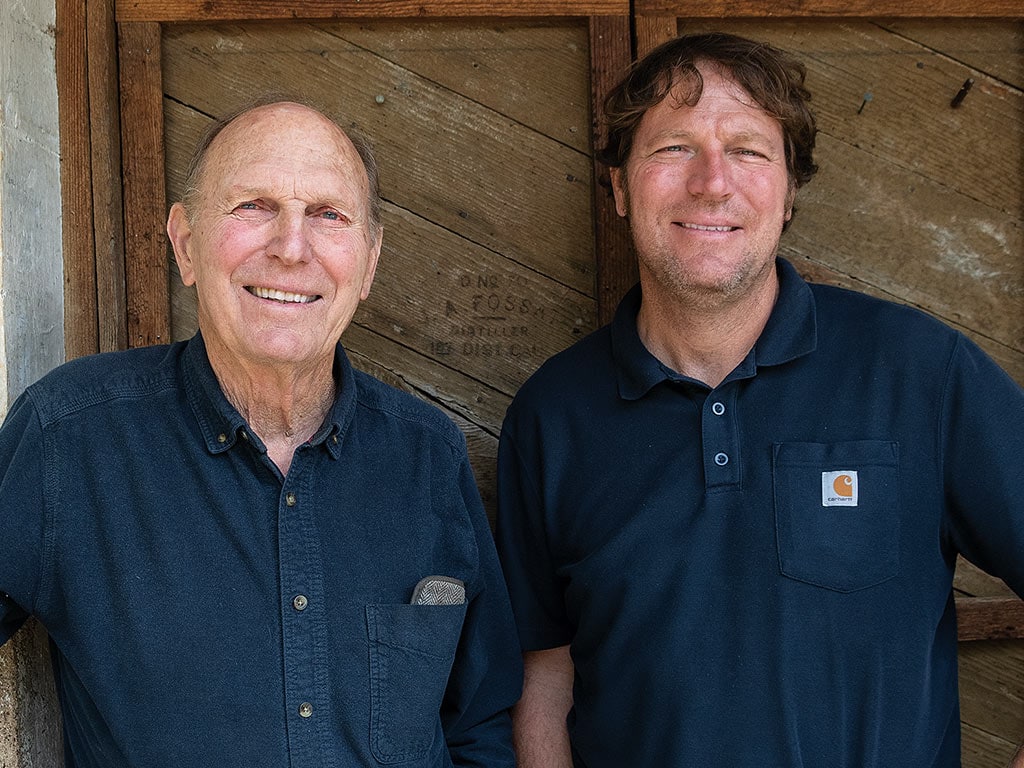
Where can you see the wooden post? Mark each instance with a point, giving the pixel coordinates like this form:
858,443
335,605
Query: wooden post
610,56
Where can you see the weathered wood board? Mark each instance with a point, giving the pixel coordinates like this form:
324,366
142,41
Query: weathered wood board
991,701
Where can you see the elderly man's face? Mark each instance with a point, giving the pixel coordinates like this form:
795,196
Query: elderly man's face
280,246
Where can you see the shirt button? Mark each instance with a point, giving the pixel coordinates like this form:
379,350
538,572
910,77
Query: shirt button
300,602
222,438
721,459
305,709
718,408
290,499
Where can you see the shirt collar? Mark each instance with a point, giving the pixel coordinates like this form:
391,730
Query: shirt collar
222,426
791,332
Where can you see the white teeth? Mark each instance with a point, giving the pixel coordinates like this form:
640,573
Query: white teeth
276,295
703,228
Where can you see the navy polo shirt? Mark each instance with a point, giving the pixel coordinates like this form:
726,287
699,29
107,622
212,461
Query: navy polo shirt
206,611
760,574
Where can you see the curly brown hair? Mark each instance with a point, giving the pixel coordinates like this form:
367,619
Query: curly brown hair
773,78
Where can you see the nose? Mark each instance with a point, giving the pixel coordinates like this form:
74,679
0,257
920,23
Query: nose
290,242
709,176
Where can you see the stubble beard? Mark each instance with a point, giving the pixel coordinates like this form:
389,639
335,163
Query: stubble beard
685,282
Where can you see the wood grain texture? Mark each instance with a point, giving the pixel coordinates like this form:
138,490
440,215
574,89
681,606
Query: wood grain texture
499,66
991,701
995,49
610,58
250,10
472,308
980,749
971,581
990,618
31,729
652,31
847,9
80,317
148,306
104,130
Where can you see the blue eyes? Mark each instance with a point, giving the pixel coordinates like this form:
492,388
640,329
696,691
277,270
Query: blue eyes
325,215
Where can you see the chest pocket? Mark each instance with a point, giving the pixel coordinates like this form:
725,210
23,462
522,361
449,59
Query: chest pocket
412,648
837,512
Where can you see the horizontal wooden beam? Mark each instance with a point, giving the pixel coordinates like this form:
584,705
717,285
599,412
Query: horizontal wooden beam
874,9
255,10
990,618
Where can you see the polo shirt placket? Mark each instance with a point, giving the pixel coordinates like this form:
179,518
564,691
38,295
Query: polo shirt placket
720,438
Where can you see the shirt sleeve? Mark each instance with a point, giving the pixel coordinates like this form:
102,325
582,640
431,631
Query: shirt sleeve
981,442
525,550
487,674
22,515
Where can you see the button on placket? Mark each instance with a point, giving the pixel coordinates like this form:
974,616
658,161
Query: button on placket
720,438
299,585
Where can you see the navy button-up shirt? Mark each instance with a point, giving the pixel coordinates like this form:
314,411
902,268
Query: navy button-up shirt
207,611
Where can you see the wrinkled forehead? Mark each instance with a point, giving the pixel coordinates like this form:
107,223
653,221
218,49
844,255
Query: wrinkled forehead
289,138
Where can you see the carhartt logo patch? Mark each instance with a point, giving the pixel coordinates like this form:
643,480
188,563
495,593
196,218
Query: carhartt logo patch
839,489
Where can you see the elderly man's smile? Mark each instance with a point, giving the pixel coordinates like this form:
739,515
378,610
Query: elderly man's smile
285,297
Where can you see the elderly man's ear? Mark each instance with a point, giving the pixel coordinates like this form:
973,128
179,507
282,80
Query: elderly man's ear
179,231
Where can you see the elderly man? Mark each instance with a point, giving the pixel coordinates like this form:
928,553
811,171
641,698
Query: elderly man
729,520
245,552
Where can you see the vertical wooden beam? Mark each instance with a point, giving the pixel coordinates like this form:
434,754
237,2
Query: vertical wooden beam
610,57
652,31
30,725
146,273
105,140
80,330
